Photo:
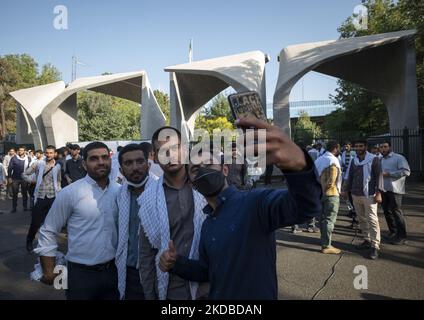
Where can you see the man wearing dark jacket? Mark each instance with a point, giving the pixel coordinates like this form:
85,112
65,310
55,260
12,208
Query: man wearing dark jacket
237,249
18,164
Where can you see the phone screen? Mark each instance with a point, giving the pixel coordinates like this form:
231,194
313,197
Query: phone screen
246,104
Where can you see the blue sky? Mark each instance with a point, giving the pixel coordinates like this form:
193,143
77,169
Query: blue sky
129,35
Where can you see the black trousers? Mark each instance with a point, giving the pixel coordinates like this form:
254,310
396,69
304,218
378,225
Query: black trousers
9,190
39,214
90,284
24,191
31,189
395,219
133,288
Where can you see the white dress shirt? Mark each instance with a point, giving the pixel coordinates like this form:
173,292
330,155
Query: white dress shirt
91,215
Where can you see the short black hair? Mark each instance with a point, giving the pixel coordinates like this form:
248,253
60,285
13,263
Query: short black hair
331,145
61,151
348,143
38,151
119,148
22,147
386,141
155,136
362,141
92,146
132,147
146,146
74,147
50,147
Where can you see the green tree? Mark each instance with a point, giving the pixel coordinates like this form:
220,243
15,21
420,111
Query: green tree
20,72
49,74
219,108
363,110
217,116
163,99
103,117
305,131
210,124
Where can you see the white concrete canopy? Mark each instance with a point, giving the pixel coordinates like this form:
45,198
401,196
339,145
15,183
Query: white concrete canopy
48,114
193,84
383,63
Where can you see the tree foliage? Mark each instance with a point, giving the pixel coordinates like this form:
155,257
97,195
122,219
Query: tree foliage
163,99
20,71
103,117
304,131
363,110
217,116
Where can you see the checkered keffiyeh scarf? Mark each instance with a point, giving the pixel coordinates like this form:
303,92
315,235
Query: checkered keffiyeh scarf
124,204
154,219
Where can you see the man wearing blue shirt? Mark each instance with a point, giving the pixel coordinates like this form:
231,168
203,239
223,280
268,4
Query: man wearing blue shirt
237,250
395,169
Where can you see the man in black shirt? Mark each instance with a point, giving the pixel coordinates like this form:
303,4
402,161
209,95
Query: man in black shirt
74,168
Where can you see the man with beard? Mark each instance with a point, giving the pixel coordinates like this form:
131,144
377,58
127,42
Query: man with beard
47,185
237,250
363,180
134,166
88,208
74,168
395,169
169,209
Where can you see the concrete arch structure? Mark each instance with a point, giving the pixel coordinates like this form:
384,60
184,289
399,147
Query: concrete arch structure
48,114
383,63
194,84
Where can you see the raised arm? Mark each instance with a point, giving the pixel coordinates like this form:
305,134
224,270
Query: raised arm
297,205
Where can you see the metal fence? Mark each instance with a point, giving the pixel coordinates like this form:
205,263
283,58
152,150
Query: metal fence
408,142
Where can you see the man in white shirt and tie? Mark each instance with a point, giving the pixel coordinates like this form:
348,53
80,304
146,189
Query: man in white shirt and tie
88,207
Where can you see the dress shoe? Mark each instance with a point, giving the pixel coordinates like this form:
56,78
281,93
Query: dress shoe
364,245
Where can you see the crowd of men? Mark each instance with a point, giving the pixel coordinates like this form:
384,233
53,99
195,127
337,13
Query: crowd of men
141,229
38,176
364,179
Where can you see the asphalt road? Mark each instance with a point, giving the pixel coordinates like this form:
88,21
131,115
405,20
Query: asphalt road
303,272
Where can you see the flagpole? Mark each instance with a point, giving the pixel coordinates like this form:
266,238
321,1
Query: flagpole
190,51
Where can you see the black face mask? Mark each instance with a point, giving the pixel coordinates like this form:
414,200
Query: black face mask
209,182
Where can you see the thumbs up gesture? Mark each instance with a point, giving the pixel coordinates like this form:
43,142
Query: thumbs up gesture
168,257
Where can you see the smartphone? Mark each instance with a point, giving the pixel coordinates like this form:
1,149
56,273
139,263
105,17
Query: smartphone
246,104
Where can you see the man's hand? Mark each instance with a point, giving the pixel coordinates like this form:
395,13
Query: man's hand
9,180
69,180
386,174
344,194
280,150
48,278
47,265
168,258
